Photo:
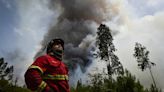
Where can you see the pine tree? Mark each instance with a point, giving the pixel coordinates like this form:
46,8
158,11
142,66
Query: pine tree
142,56
5,70
104,42
6,79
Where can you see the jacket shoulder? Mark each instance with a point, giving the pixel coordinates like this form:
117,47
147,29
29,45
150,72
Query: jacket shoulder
41,60
52,61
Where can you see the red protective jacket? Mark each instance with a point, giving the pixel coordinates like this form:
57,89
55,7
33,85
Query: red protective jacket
47,74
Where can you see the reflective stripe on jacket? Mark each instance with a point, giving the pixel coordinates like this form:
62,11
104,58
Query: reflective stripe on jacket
46,69
56,77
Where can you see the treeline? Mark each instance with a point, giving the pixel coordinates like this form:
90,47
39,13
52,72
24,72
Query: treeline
124,83
7,82
98,83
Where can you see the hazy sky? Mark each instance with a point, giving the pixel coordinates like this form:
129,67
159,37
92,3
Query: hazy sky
23,24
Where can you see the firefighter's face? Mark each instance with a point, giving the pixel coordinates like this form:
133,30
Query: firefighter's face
57,46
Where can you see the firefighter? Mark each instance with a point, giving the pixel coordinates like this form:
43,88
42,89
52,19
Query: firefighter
48,73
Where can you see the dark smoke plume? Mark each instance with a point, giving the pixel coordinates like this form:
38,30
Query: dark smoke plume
75,27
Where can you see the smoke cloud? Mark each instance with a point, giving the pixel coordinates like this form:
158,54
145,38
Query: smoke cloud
76,25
